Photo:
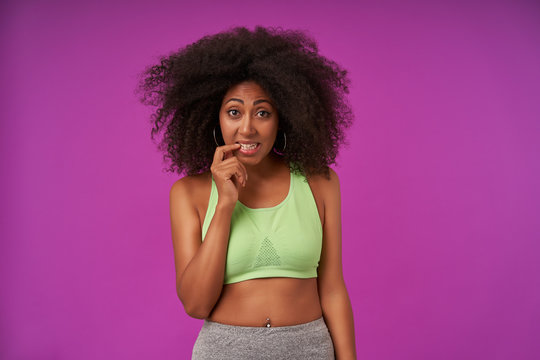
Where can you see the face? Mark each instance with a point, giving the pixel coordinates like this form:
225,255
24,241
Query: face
248,116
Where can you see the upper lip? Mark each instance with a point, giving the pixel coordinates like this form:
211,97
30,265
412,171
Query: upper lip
246,142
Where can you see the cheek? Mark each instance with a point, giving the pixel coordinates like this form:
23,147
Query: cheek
267,129
273,129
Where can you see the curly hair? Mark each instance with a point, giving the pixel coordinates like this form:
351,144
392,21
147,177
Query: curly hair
188,87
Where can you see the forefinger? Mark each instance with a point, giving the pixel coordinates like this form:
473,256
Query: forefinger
221,152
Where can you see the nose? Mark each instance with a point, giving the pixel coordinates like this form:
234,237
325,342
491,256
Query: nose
246,126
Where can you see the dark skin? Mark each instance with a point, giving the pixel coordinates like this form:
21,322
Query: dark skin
257,180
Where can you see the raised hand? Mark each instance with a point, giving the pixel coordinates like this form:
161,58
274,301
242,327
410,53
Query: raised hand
229,174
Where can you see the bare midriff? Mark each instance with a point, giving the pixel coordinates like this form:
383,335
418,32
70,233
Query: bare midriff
285,301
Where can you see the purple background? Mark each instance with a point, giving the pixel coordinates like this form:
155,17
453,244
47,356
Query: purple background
439,183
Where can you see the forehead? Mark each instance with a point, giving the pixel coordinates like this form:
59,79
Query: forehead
246,89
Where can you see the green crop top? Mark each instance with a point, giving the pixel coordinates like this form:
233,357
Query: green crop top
280,241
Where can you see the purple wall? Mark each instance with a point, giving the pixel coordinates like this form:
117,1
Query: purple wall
439,183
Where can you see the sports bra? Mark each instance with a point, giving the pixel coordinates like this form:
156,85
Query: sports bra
279,241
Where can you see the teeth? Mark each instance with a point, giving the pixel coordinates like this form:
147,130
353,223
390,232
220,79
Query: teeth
248,146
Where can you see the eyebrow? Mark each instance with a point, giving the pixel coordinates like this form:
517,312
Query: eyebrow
260,101
254,103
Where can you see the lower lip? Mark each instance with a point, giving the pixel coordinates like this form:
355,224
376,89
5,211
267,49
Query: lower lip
250,151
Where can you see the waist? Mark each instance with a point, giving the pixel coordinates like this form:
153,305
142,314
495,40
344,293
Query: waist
316,324
285,301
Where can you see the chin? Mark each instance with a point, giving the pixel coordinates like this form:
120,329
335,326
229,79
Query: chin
250,160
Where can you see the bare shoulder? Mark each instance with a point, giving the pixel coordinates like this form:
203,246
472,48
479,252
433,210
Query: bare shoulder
191,183
325,187
193,189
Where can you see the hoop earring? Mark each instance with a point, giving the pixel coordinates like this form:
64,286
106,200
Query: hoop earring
214,132
282,150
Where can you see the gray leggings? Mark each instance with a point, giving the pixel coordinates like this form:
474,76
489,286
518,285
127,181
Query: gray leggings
303,341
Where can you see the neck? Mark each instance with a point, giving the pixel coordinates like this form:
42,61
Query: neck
270,166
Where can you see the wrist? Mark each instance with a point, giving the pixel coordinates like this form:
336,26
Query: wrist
227,207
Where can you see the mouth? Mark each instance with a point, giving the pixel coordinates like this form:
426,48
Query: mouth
248,149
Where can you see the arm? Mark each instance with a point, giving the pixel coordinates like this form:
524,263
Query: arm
333,294
199,267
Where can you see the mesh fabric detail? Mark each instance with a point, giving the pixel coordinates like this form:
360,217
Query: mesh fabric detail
267,254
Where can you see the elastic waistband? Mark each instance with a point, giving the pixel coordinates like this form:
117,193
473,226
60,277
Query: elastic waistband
314,325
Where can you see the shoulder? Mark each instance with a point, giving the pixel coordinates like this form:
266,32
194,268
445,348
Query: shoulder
326,187
193,189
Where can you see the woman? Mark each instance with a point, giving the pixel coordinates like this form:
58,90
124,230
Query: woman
255,118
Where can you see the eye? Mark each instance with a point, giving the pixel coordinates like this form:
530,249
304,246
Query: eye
233,112
264,113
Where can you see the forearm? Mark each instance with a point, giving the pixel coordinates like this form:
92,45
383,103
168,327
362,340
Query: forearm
201,283
338,315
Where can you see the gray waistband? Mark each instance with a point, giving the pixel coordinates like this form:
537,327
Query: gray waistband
309,326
